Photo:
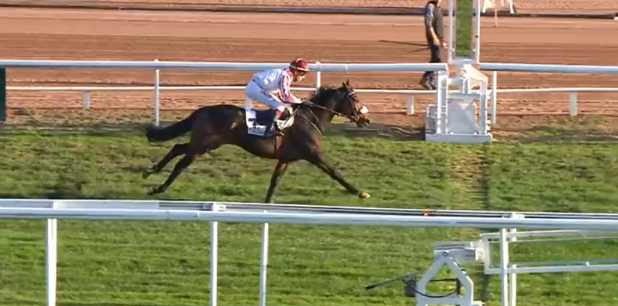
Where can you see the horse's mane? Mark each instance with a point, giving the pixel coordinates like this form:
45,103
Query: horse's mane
323,93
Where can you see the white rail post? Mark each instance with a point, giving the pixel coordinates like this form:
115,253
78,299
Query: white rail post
263,264
477,25
86,99
513,276
51,259
504,262
410,105
318,77
214,248
573,103
156,96
494,96
483,111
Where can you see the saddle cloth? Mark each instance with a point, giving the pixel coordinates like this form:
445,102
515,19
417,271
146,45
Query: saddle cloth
259,121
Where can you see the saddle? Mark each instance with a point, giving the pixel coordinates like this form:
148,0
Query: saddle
262,122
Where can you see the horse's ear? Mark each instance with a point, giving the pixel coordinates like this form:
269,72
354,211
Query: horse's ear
347,83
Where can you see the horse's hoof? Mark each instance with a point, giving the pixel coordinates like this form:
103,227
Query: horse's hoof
155,191
364,195
147,172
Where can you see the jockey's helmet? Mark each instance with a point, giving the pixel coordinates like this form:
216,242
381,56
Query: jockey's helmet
300,65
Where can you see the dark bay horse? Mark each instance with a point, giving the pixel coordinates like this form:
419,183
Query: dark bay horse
214,126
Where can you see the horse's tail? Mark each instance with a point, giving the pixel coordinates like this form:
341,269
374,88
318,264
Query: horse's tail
177,129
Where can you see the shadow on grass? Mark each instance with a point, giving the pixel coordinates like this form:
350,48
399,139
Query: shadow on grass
551,134
25,302
375,130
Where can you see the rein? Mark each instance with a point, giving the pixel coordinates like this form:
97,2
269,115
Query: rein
351,117
316,126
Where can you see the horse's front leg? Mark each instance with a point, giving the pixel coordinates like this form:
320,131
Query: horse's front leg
279,171
319,162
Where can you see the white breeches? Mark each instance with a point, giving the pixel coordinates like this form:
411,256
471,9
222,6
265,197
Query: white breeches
254,92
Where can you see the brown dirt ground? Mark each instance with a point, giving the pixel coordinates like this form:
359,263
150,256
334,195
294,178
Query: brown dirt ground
607,6
192,36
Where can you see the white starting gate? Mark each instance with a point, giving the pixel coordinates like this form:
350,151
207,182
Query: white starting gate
454,118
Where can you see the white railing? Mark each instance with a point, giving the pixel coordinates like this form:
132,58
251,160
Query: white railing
546,68
86,100
318,68
215,212
156,65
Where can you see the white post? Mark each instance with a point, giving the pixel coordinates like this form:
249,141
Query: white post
573,103
494,96
483,114
86,99
440,99
513,293
504,258
318,77
51,260
410,105
477,47
495,15
156,96
263,265
451,26
214,246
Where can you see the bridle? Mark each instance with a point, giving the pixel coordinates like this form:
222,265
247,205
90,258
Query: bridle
354,118
357,112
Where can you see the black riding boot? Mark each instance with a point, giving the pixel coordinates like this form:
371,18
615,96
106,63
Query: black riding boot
275,127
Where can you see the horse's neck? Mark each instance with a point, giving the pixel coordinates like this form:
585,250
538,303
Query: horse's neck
324,116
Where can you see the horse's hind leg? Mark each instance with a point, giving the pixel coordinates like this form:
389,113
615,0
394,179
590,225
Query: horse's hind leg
180,167
192,152
178,149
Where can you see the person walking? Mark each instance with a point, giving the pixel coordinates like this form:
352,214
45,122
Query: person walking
434,32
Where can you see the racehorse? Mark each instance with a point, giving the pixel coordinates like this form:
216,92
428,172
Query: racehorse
217,125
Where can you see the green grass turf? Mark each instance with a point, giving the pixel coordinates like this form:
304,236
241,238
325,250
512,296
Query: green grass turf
166,263
463,27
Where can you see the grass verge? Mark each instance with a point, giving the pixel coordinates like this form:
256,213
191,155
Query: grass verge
166,263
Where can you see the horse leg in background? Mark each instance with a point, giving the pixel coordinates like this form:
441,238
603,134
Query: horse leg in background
178,149
319,162
194,150
279,171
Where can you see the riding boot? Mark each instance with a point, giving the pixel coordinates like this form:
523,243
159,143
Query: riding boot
278,116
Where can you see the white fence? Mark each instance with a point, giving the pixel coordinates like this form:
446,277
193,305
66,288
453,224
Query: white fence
318,68
215,212
157,66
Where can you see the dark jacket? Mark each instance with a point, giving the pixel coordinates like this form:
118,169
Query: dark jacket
433,19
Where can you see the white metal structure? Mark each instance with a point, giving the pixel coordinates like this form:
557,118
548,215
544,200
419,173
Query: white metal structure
215,212
456,254
498,5
453,119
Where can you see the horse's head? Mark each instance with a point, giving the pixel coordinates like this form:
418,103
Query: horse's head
343,101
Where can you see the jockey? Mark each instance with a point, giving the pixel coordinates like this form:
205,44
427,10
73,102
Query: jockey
272,87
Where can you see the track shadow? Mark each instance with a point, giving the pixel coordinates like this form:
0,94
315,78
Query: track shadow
376,130
558,135
424,46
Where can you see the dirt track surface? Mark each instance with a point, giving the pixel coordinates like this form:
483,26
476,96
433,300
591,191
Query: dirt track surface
563,6
185,36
